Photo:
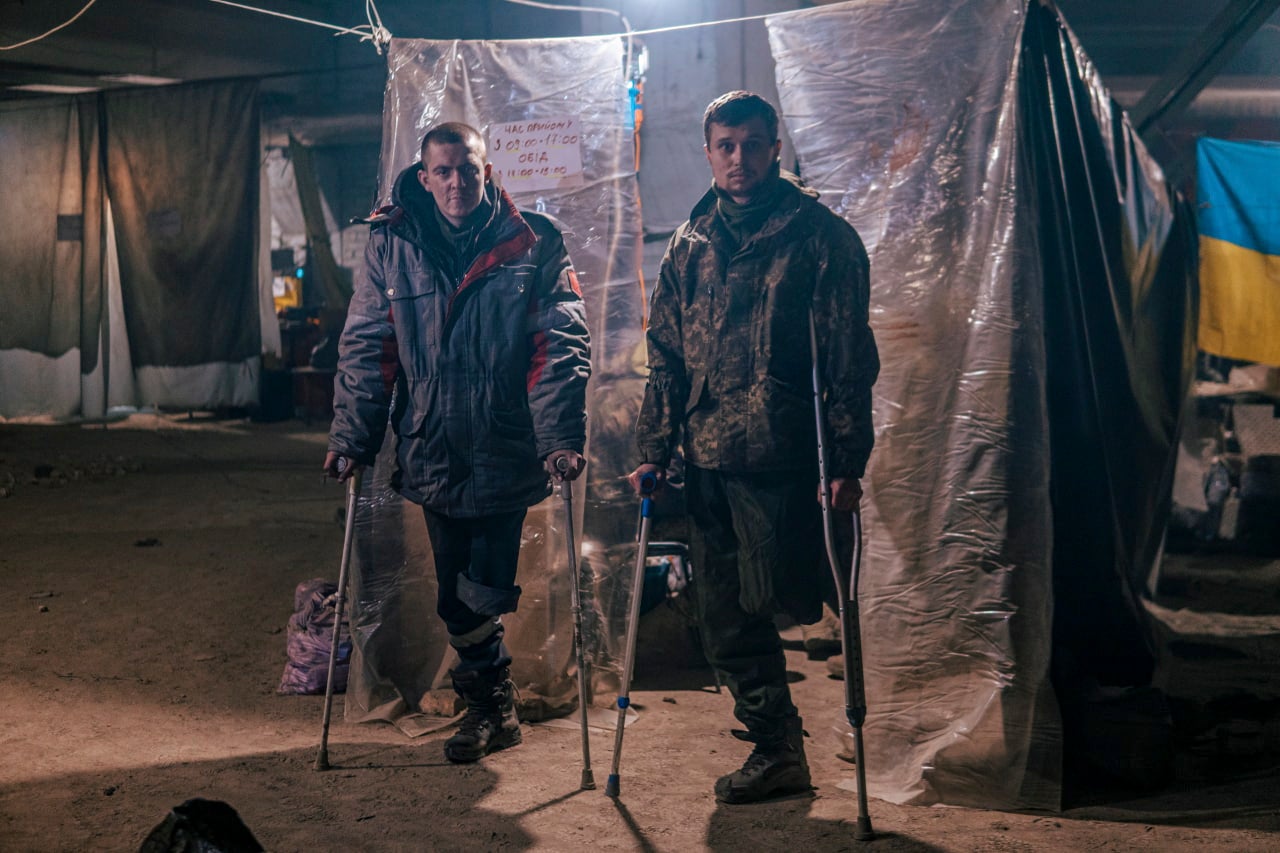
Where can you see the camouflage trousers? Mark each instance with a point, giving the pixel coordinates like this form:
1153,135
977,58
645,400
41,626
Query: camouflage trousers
757,550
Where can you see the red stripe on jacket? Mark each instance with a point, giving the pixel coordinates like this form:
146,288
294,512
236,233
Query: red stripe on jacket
389,362
499,254
538,361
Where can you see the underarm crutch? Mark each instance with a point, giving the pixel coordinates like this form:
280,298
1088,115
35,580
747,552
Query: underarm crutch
648,483
855,699
566,492
348,536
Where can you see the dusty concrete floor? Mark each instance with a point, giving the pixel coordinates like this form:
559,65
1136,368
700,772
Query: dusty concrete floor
149,571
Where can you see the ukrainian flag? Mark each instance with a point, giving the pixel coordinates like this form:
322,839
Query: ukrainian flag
1239,203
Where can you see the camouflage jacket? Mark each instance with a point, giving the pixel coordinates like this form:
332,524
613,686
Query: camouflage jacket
730,371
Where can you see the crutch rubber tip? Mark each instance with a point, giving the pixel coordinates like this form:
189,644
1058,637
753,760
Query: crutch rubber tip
588,781
864,832
322,761
611,786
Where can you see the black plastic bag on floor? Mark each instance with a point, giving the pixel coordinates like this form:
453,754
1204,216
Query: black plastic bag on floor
201,826
310,639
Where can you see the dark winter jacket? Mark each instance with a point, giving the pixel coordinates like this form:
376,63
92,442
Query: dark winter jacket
490,371
728,338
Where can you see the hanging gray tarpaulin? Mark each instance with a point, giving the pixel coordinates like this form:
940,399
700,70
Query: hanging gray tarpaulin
51,256
334,283
183,178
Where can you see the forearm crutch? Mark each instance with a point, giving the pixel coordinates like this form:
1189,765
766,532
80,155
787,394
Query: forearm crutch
855,699
348,537
648,483
584,698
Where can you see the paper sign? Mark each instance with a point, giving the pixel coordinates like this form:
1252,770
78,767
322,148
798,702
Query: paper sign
538,154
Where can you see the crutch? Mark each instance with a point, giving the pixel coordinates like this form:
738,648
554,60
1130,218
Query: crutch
855,699
566,492
348,536
648,483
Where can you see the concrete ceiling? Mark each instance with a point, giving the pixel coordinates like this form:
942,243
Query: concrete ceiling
332,84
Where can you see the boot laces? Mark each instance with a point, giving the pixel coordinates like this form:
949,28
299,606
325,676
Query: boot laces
758,762
476,719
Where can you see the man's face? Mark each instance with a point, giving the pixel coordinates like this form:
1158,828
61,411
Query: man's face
455,176
741,157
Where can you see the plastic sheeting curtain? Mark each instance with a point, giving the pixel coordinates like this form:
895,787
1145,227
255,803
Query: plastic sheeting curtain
1030,298
334,285
402,653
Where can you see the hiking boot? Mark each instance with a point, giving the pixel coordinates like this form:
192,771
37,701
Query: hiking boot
490,722
822,638
773,769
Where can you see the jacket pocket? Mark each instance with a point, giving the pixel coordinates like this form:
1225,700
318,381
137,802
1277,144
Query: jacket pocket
697,391
782,429
782,401
423,401
412,293
511,424
409,283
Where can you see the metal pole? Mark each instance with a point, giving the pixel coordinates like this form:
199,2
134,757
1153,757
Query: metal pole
647,485
348,536
855,700
584,698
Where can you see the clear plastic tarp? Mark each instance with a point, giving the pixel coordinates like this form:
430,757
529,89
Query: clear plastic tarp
402,658
1030,297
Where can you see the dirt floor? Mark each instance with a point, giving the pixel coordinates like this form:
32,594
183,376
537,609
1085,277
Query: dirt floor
149,570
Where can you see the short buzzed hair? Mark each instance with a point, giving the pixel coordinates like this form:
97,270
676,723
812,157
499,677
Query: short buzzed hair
455,133
733,109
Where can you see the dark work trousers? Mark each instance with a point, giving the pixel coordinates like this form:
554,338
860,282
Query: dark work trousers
756,549
476,577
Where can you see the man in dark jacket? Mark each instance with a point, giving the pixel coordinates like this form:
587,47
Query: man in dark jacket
471,313
730,380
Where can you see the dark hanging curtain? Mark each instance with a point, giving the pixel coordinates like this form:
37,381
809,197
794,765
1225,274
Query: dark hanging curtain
51,245
182,174
1119,259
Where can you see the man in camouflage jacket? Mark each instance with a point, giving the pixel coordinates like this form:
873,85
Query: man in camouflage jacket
730,382
471,311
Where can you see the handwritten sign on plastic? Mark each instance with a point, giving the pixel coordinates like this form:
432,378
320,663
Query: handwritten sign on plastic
537,154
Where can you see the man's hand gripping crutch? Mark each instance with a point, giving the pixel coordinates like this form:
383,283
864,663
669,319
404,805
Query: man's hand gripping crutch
645,480
345,471
564,469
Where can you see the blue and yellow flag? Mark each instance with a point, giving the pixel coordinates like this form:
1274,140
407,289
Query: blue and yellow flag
1239,202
